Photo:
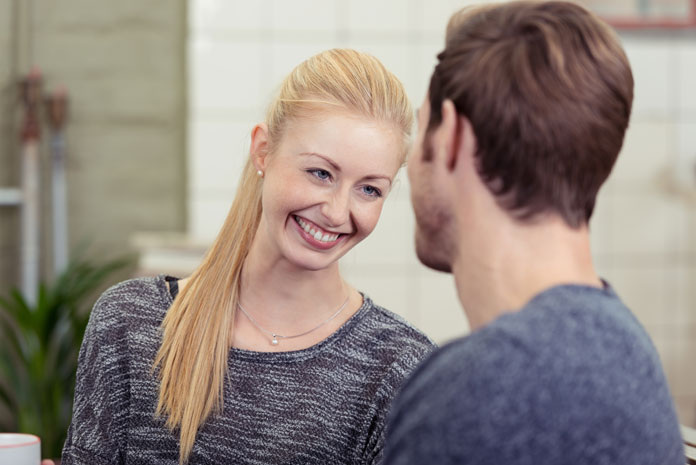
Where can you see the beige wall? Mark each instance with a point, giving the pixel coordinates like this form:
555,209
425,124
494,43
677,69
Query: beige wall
123,64
9,217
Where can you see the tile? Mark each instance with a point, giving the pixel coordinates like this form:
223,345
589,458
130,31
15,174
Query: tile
686,137
649,291
393,290
286,55
303,15
684,167
396,56
218,151
400,188
349,262
653,63
223,15
225,75
686,55
646,154
690,241
434,16
686,410
600,226
384,16
685,310
206,214
688,380
425,59
441,314
646,223
672,363
392,241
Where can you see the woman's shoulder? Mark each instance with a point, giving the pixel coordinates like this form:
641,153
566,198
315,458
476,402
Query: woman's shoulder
388,331
386,347
135,301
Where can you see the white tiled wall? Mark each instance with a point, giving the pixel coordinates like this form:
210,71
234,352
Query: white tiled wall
239,53
644,228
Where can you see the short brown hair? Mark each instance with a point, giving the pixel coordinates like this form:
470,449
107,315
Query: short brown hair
548,90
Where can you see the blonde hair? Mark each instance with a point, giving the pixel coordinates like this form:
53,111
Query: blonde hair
198,328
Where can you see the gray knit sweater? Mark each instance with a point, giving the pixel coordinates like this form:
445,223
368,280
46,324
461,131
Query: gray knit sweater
322,405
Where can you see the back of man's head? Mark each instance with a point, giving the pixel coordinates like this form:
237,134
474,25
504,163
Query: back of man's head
548,90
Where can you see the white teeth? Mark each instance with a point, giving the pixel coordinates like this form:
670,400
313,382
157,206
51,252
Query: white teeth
326,237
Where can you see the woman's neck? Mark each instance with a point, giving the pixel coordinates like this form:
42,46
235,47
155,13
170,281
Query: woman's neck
285,299
283,291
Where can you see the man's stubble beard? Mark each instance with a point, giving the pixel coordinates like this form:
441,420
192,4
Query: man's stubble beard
435,246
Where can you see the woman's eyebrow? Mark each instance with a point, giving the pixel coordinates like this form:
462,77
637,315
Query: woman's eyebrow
377,177
338,168
327,159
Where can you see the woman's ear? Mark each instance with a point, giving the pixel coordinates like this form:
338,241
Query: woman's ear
259,146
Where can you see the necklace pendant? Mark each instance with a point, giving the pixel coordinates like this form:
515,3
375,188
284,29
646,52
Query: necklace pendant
275,340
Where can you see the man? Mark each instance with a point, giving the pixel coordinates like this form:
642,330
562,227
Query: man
524,119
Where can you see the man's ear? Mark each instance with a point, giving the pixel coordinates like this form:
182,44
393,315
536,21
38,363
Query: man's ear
259,146
459,137
450,128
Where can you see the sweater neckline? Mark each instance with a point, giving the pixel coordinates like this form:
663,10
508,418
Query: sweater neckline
288,356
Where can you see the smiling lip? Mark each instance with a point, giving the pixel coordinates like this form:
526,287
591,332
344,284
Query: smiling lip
316,236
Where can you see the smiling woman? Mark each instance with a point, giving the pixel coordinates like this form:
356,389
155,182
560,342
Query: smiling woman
170,372
325,184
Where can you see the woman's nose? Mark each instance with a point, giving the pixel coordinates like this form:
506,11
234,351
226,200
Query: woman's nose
336,208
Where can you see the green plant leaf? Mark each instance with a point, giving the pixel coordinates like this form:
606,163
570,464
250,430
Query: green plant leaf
6,399
39,346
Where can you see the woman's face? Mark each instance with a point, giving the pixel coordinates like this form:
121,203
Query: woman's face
324,186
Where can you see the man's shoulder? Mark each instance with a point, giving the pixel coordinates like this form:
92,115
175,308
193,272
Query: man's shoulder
538,357
562,366
480,357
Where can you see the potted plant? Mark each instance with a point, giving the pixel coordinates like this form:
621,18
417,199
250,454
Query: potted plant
39,345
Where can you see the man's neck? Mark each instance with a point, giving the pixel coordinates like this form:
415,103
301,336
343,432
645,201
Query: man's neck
501,271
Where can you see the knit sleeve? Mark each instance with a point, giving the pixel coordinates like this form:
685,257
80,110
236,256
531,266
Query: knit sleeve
391,384
100,406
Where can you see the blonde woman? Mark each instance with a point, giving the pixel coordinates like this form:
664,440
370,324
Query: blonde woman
265,355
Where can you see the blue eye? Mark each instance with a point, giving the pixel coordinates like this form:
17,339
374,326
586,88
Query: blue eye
320,174
371,191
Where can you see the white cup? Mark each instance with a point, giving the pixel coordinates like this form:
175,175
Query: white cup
20,449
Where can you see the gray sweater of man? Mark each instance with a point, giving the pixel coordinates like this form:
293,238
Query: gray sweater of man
323,405
571,378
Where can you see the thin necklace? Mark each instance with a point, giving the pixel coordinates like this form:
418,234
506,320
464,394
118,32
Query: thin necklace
276,336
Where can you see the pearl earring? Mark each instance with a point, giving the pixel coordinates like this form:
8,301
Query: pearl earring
260,173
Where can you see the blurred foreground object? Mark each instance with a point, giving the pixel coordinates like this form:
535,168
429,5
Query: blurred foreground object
690,444
30,94
39,345
57,112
